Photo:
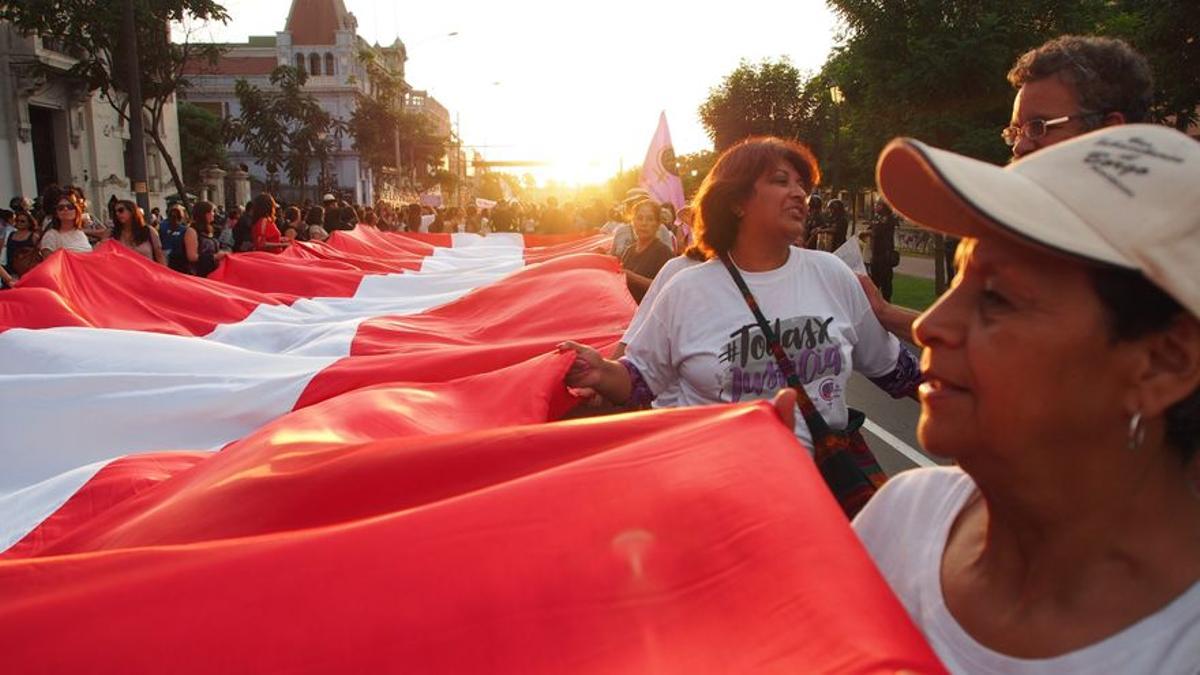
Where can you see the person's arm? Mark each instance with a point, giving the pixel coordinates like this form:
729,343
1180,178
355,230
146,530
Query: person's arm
895,319
156,247
610,378
191,245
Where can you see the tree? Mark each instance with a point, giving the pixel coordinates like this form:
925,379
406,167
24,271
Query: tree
201,140
755,100
380,120
284,128
91,30
1167,32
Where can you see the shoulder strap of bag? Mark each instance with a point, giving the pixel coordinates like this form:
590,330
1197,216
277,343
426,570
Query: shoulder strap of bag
816,424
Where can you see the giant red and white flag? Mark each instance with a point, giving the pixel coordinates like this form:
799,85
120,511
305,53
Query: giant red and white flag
346,458
660,171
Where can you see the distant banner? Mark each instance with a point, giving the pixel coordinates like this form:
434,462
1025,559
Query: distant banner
482,203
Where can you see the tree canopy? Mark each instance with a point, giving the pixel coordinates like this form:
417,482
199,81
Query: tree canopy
91,32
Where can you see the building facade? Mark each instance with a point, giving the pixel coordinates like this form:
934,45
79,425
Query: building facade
319,37
53,131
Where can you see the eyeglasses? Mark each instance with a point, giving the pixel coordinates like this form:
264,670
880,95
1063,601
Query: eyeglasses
120,209
65,207
1035,129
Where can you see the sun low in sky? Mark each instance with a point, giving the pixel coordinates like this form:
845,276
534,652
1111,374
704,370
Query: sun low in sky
577,85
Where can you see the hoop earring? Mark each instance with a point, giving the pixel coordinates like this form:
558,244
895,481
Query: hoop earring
1137,433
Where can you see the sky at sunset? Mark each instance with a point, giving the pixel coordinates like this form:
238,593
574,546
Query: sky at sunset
579,85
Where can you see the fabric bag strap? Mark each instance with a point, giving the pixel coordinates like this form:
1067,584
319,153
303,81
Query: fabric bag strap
816,423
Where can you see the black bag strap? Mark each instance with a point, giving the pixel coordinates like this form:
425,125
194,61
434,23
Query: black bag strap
816,423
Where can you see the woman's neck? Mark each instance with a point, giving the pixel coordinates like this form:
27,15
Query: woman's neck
1058,535
754,254
67,226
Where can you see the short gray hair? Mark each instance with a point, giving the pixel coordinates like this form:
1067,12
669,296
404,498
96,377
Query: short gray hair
1106,73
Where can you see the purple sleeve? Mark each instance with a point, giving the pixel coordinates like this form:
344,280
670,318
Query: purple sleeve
904,378
640,395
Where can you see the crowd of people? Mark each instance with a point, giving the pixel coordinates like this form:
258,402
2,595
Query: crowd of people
1060,373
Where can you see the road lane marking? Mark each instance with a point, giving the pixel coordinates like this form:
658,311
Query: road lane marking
915,456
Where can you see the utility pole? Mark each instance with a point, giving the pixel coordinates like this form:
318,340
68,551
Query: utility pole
137,132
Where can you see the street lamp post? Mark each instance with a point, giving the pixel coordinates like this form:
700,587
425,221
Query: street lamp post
836,96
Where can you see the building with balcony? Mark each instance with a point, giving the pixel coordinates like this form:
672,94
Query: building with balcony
319,37
54,131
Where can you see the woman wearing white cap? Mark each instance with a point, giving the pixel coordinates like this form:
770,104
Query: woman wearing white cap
1062,376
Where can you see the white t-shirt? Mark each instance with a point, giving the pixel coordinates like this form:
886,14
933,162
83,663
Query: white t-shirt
668,398
75,240
701,336
905,526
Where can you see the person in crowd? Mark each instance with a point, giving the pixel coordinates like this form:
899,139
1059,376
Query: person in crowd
315,224
1074,84
623,236
21,249
553,220
332,215
131,230
471,219
293,223
64,230
243,230
155,218
816,222
369,217
615,220
171,233
226,237
701,338
200,246
647,255
455,221
1063,382
264,233
837,224
684,238
95,229
882,241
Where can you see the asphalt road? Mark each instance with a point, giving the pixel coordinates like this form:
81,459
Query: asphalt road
891,428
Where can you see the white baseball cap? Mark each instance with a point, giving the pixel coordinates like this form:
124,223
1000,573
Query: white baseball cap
328,198
1125,195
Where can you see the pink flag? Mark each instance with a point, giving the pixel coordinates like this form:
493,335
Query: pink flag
660,173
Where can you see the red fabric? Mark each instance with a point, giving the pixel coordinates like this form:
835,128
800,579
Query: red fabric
266,232
114,287
692,540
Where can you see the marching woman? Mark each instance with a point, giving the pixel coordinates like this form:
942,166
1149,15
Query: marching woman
200,241
263,230
131,229
65,230
702,340
1063,379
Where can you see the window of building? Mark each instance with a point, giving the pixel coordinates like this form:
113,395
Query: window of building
300,62
328,63
314,64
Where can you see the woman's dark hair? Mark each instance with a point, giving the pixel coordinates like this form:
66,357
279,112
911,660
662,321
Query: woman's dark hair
262,206
68,196
291,214
316,216
732,180
1135,307
200,213
139,231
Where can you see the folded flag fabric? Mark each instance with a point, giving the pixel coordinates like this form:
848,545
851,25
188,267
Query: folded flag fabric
343,458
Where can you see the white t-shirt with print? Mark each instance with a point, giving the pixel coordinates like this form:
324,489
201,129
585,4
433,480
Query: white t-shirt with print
668,398
905,526
700,335
75,240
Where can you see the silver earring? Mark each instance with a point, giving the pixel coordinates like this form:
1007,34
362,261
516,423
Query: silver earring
1137,433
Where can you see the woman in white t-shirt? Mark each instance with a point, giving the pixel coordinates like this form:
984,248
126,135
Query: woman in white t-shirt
701,343
65,230
1063,379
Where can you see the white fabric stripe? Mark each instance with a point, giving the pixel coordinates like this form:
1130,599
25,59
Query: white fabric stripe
38,502
89,396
